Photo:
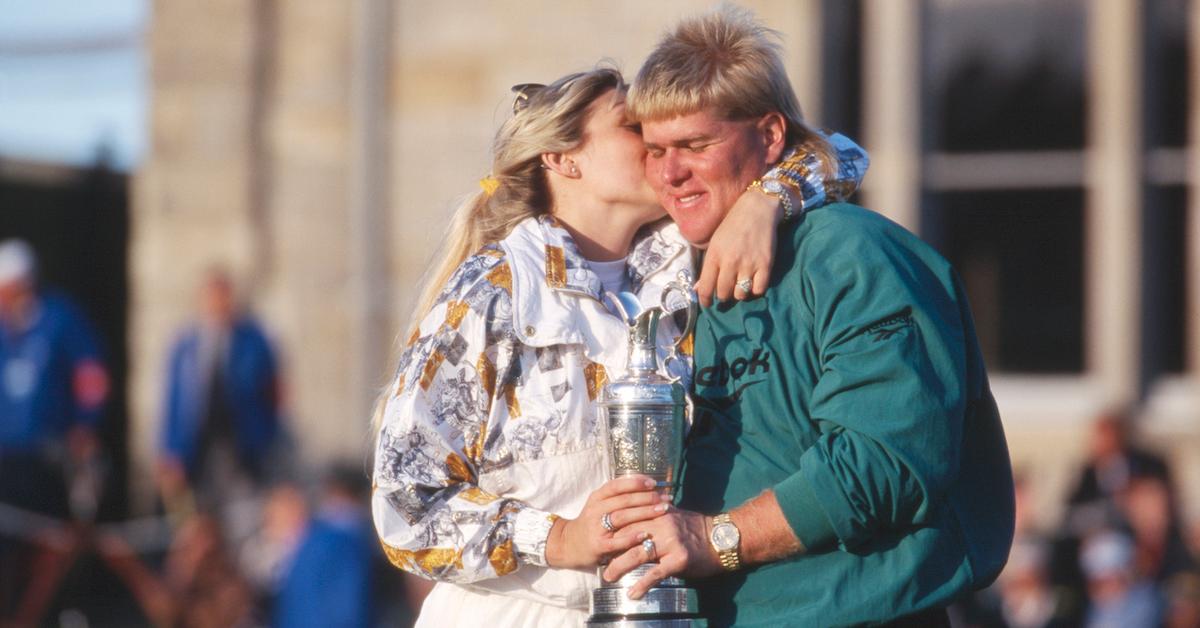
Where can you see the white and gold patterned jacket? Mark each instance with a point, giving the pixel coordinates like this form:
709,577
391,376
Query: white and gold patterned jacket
491,430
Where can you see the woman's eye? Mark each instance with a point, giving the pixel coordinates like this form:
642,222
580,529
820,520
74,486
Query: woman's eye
697,149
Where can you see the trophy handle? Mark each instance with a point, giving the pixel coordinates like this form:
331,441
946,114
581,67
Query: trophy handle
682,286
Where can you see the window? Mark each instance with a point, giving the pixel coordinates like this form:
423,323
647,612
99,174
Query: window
1005,76
1164,252
1005,126
1166,285
1019,254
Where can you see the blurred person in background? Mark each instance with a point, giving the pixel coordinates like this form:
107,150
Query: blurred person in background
53,387
1027,597
1191,534
200,585
1121,487
267,554
1117,596
321,565
327,579
490,465
1148,507
1183,600
221,423
1112,462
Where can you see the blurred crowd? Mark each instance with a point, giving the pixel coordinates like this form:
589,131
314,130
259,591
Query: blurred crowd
243,534
1122,556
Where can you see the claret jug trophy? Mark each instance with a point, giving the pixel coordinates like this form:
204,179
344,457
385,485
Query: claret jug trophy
645,414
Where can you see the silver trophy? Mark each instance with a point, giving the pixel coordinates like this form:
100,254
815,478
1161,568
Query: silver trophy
645,414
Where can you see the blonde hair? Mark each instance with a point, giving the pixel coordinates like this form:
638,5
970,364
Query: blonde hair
726,61
546,119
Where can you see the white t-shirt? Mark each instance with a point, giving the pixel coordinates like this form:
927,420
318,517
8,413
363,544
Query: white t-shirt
611,274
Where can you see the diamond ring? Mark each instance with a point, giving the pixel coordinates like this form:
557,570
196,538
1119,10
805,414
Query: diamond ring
648,547
606,522
744,285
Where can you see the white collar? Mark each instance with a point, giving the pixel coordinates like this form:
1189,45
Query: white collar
556,296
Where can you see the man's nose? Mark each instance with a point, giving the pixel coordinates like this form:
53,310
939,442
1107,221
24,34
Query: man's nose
674,171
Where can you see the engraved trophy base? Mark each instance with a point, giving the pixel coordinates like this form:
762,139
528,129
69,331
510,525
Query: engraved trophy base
668,604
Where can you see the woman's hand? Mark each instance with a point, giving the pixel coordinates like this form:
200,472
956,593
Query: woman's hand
584,542
742,247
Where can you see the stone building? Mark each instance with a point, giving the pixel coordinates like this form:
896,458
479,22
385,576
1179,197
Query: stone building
318,147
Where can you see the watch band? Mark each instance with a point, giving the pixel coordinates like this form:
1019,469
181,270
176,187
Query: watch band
731,559
781,194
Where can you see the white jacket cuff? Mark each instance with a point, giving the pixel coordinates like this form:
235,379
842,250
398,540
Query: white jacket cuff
530,531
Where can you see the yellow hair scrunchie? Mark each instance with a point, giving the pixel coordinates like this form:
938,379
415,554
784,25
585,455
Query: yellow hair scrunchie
489,184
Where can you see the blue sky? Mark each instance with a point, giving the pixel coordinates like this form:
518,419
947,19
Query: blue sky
73,79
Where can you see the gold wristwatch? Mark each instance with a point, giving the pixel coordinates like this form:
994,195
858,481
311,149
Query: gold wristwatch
773,187
726,539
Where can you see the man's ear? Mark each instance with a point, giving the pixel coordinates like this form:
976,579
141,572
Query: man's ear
773,130
561,164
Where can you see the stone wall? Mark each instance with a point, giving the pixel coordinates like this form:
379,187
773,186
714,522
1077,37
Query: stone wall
191,198
264,133
317,148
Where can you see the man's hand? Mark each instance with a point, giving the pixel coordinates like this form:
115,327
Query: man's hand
583,541
742,247
681,549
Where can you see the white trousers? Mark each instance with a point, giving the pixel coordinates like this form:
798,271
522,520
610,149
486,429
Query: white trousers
451,605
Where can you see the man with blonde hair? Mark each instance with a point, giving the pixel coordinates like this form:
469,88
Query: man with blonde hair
847,464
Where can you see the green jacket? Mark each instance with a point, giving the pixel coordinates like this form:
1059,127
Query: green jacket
856,390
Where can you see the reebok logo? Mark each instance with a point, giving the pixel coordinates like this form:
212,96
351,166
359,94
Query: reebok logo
721,373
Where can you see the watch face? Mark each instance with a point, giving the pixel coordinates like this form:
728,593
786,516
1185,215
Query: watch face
773,186
725,536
